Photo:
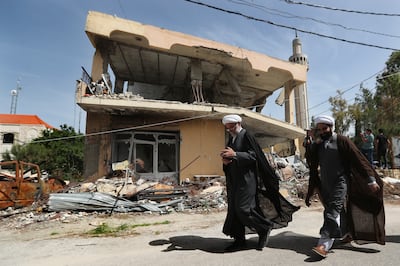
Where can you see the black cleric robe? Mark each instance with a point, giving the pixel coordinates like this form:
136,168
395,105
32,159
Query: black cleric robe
365,214
253,187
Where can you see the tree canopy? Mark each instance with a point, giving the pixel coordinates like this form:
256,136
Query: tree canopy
373,108
59,152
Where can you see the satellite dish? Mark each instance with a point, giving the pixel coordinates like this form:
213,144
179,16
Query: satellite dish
14,92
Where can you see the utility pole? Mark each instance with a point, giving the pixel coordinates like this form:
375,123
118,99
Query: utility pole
14,98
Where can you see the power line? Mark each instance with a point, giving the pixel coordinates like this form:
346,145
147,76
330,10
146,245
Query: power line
352,87
370,90
289,27
121,9
343,10
129,128
289,15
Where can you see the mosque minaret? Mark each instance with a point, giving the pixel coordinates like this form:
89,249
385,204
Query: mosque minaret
300,92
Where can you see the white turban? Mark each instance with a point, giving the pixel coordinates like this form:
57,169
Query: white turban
325,119
231,119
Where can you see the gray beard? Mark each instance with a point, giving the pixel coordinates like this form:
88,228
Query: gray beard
326,136
237,131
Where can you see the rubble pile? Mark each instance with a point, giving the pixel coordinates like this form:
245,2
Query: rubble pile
202,195
210,195
123,193
30,215
391,188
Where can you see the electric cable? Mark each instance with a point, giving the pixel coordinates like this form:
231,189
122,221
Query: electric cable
284,14
290,27
342,9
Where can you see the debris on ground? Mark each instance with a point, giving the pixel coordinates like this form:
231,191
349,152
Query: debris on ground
123,193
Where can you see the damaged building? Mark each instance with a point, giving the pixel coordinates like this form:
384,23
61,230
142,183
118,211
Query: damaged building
155,98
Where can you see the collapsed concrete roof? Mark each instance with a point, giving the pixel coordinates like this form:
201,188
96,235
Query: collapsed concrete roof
233,78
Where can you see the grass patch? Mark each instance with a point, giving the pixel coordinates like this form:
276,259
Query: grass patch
106,230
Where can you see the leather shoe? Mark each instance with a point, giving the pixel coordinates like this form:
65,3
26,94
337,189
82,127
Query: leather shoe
346,239
237,245
320,251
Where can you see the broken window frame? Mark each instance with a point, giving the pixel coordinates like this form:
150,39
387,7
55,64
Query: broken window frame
125,147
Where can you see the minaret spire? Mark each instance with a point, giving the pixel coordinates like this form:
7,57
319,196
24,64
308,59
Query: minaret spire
301,99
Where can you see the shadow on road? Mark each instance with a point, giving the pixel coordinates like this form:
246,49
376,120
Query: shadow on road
393,239
286,240
303,244
191,242
292,241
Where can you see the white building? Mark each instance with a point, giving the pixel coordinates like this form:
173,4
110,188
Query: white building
19,129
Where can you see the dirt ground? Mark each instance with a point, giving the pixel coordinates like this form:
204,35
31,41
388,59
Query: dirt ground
88,225
119,225
177,239
35,237
30,224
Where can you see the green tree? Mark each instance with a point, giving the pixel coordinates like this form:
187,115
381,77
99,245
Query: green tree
372,110
339,108
366,103
387,96
355,113
59,152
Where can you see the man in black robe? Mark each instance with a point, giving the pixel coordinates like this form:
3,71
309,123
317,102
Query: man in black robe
349,188
254,201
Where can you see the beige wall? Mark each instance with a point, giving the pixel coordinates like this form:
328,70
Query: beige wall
100,64
202,140
97,147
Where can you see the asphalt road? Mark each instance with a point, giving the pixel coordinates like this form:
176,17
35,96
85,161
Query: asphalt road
197,240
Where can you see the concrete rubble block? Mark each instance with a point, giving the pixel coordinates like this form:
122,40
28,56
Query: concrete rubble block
128,190
87,187
163,189
144,186
287,172
120,165
215,189
285,193
106,188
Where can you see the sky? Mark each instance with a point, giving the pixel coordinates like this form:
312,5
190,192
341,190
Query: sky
43,44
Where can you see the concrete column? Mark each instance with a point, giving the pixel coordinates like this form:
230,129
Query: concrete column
289,103
302,119
119,85
99,65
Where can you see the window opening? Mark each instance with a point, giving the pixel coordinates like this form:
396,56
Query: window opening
8,138
154,154
121,147
144,154
167,153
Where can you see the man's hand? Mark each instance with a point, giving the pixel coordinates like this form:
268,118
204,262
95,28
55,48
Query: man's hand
228,152
374,187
